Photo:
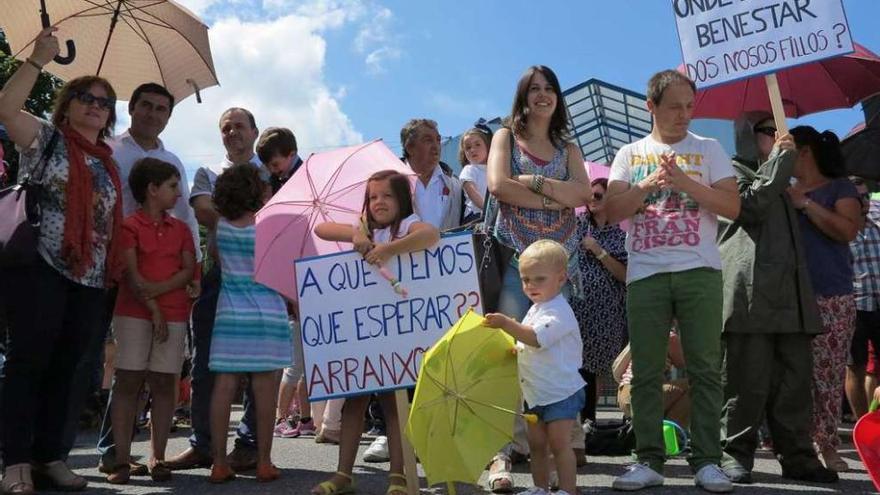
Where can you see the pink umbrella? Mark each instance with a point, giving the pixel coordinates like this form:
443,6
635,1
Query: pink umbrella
329,187
597,170
838,82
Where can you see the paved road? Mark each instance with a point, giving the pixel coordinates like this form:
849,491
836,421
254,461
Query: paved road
305,463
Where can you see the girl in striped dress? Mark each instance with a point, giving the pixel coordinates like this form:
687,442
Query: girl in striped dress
251,335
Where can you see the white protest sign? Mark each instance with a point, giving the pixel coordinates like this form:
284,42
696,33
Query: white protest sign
359,336
726,40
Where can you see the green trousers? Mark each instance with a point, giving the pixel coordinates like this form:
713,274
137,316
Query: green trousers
693,299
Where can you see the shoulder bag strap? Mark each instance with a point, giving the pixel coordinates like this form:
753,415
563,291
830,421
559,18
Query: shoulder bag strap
44,157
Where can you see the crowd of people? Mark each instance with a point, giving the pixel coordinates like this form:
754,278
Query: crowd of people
758,275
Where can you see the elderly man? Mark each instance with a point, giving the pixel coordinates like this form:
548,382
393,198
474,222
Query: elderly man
437,201
437,195
770,313
865,250
239,132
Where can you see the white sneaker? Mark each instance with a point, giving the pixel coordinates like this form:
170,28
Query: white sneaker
377,451
712,479
636,477
534,491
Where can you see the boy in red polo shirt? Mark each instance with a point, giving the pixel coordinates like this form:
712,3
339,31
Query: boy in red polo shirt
151,312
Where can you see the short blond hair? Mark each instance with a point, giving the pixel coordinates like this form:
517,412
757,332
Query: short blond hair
545,251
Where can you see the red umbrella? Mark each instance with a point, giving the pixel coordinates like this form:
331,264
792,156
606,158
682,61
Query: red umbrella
838,82
329,187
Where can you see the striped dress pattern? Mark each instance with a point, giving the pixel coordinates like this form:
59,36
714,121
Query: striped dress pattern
251,332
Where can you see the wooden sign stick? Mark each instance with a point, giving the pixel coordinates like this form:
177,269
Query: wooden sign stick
401,399
776,103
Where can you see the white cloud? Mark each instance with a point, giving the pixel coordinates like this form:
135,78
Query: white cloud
275,68
376,59
376,41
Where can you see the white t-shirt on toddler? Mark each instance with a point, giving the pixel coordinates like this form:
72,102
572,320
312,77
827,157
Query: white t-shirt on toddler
549,373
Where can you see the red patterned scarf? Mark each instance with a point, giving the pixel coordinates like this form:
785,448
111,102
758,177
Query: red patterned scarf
79,221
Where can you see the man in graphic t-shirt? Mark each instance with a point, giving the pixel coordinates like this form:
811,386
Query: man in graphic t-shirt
672,185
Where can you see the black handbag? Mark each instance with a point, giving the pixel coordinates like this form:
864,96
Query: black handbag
494,258
21,216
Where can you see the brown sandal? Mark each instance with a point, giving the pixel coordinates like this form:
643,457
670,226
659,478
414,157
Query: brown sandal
119,475
17,480
159,471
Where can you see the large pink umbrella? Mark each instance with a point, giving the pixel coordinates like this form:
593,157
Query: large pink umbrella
329,187
838,82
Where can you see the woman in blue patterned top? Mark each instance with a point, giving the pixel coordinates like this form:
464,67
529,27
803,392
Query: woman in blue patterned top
537,177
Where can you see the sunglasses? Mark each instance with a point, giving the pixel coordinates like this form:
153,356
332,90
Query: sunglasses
767,131
87,98
598,196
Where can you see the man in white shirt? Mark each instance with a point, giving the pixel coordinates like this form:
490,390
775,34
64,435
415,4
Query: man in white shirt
437,197
150,108
672,185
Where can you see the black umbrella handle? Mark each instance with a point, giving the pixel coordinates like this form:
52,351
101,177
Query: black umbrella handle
71,54
71,47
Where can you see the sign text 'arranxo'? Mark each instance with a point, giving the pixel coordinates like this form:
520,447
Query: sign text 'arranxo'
359,336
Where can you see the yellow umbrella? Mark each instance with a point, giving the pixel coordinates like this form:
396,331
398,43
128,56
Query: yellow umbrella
466,396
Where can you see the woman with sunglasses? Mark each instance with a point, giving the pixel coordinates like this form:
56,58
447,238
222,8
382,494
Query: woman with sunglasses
57,303
601,312
829,219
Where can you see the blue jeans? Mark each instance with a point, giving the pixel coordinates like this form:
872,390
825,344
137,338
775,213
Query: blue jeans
203,314
512,301
567,408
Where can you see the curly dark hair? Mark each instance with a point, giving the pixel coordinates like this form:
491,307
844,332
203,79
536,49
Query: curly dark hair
239,190
148,171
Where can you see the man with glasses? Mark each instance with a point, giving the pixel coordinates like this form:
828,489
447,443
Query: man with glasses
865,250
770,313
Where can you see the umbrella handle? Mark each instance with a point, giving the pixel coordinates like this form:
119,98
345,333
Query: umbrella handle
71,54
71,47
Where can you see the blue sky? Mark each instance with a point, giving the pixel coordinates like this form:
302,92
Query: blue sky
339,72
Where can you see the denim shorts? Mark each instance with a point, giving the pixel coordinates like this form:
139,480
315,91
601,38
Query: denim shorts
567,408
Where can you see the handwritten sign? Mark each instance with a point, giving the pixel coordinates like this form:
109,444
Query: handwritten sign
726,40
361,337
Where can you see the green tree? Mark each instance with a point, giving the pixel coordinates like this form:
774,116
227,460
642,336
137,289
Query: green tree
39,102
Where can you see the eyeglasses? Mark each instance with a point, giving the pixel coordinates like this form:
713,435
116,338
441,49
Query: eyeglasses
598,196
87,98
767,131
